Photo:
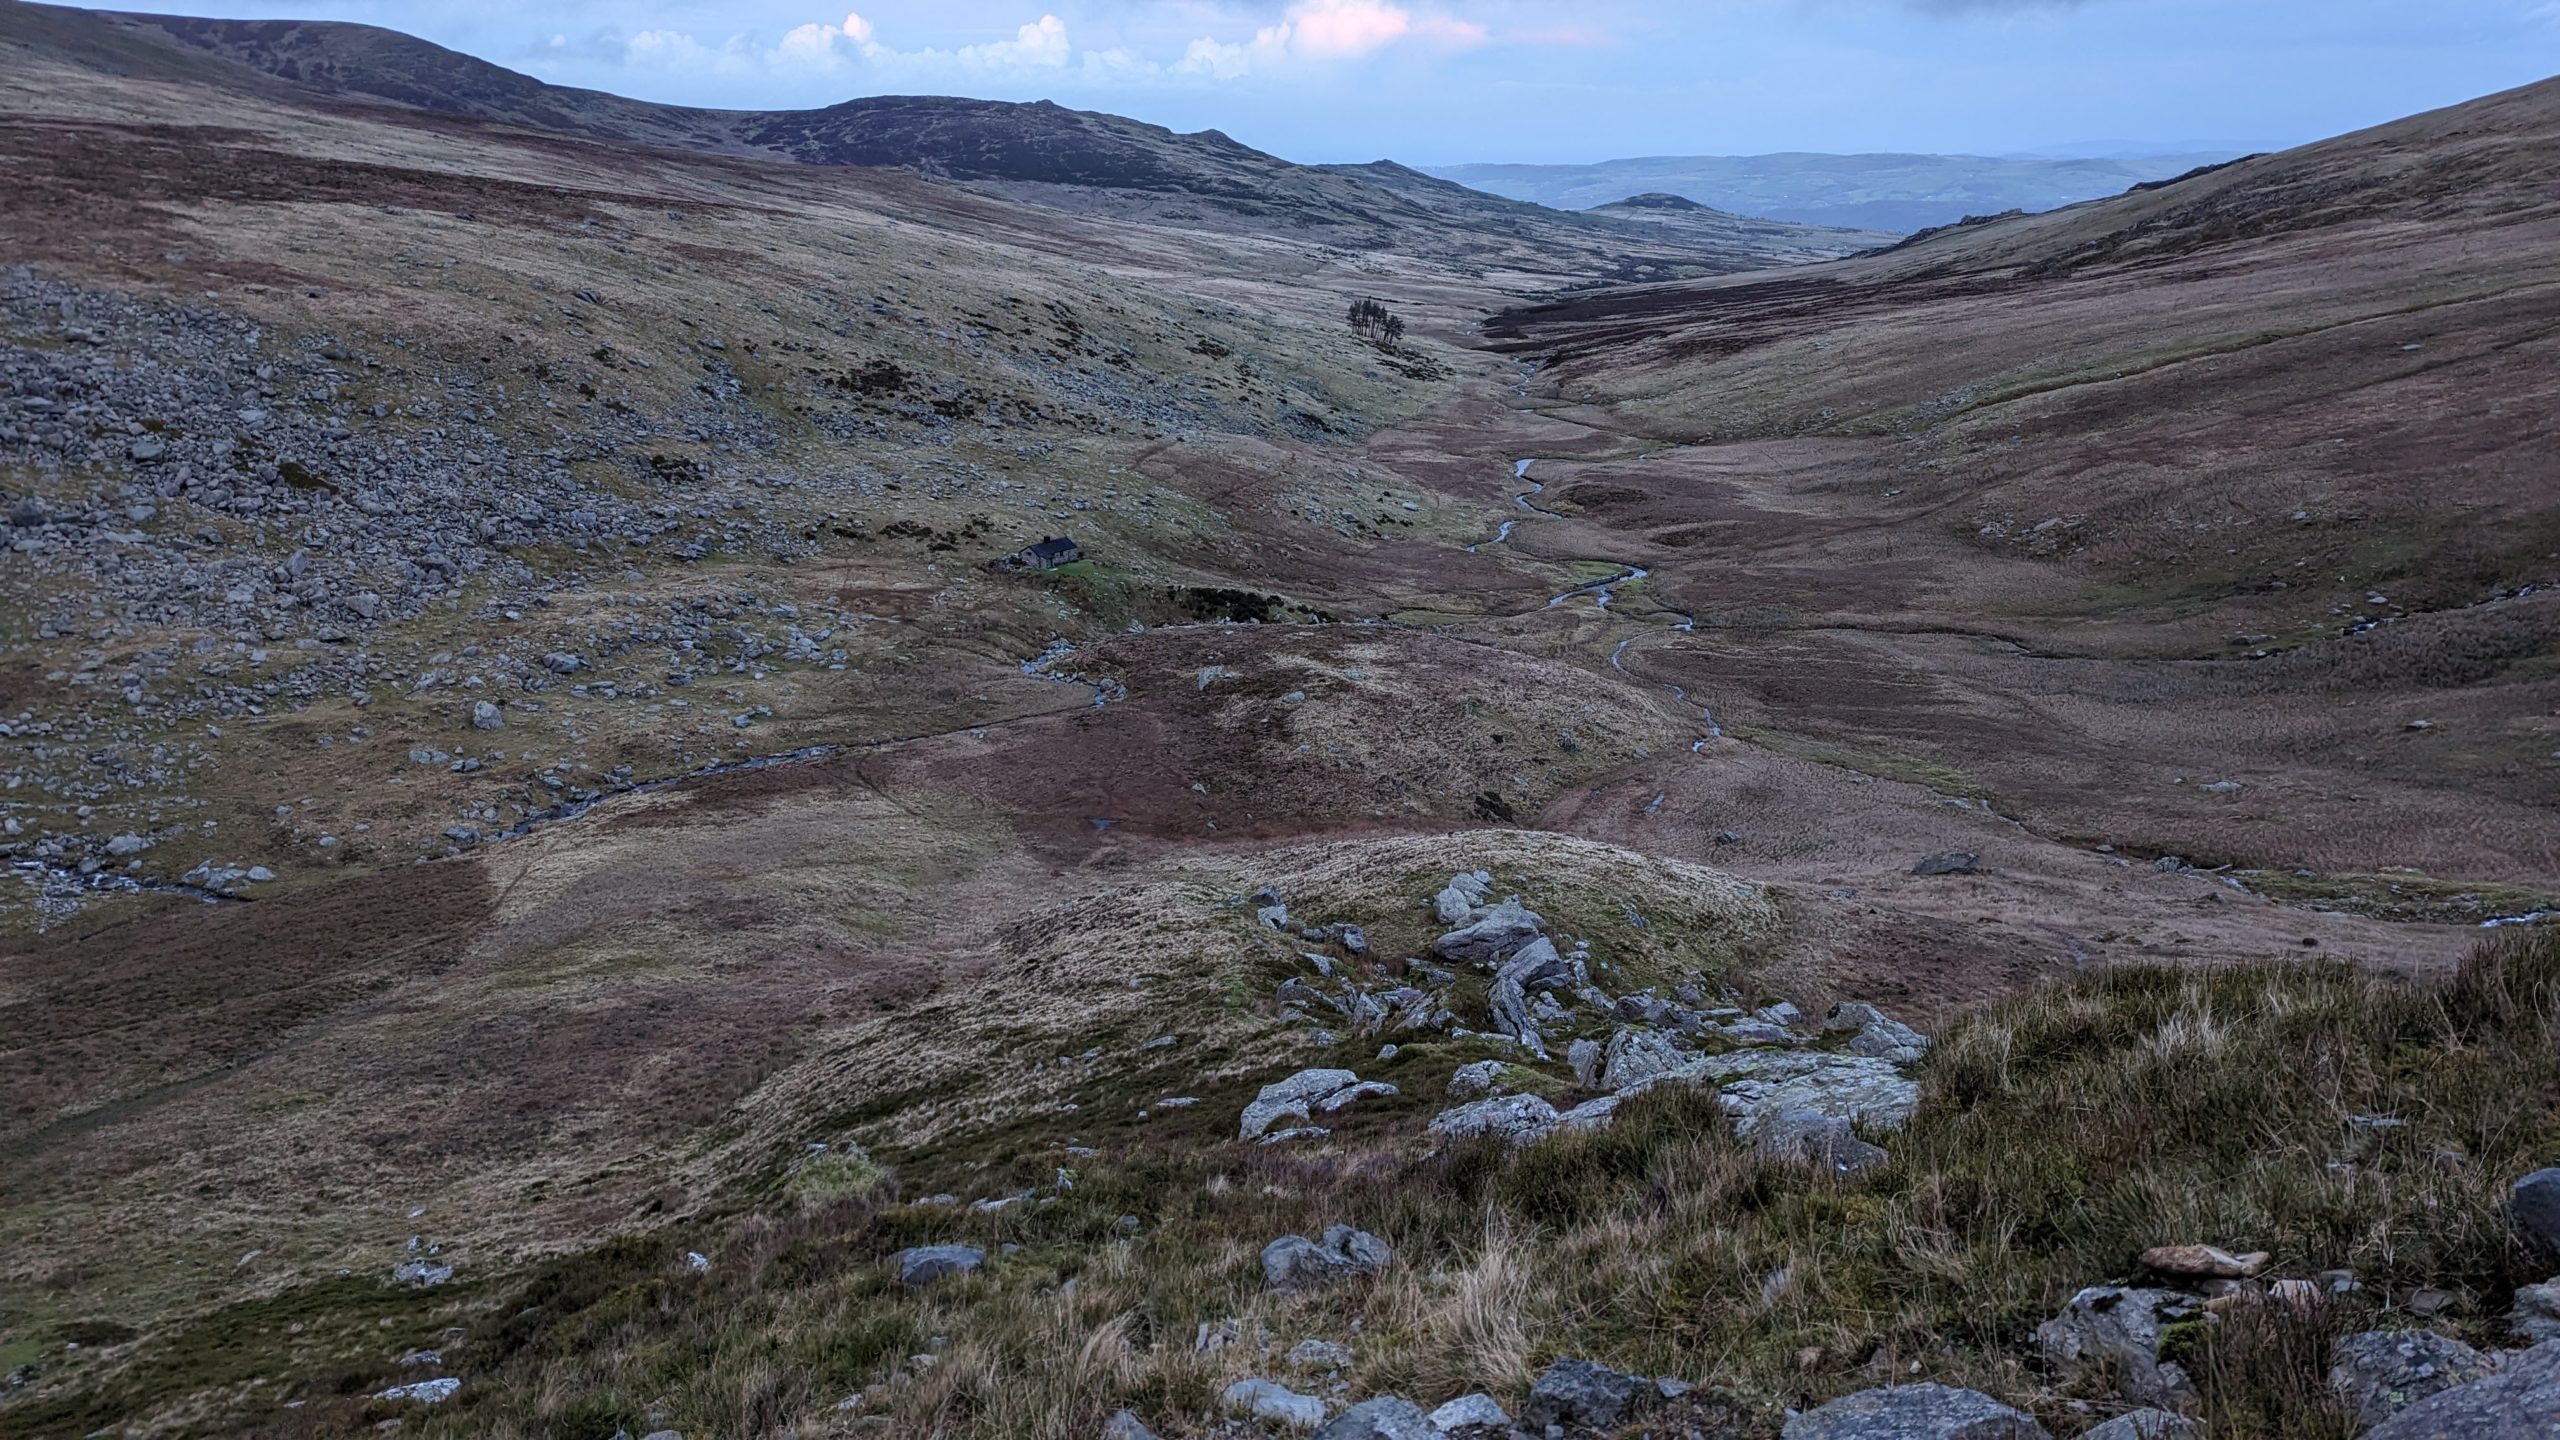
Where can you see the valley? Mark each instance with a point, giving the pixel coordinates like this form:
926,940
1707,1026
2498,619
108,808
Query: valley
546,848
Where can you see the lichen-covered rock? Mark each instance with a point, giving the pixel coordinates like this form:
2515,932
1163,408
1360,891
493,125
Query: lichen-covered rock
2383,1372
2520,1400
1589,1395
1875,1034
1474,1082
1519,1119
1494,935
925,1264
1291,1099
1915,1412
1273,1401
1294,1262
1637,1054
1385,1418
2122,1330
2536,1317
1809,1137
1477,1414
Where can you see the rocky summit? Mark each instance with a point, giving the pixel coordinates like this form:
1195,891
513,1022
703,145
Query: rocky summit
846,763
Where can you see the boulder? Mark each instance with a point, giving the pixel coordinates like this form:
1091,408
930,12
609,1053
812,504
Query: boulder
2519,1400
486,716
1510,1005
1757,1084
1588,1395
2383,1372
1915,1412
2535,1208
1126,1426
1537,966
1810,1137
1294,1262
1291,1098
1270,1400
1474,1082
1385,1418
1950,862
927,1263
1519,1119
2536,1317
423,1392
1586,1057
1637,1054
1477,1413
2148,1425
1497,933
1876,1034
2122,1330
1596,1114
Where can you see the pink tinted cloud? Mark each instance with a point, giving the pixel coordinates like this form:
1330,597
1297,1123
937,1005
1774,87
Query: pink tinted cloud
1337,29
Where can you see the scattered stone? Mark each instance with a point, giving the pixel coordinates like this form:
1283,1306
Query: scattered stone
2122,1330
124,846
423,1274
1592,1396
1125,1426
1952,862
925,1264
485,716
1270,1400
2383,1372
2517,1401
2204,1262
1294,1262
1385,1418
423,1392
1915,1412
1320,1355
1471,1412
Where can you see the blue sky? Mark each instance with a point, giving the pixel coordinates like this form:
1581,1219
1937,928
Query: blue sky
1444,81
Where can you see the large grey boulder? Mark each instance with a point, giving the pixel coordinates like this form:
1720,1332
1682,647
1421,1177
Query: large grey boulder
1537,966
1294,1262
1291,1099
1589,1395
2122,1330
1637,1054
1495,934
1808,1137
1757,1084
2148,1425
1915,1412
2521,1400
2536,1210
1510,1006
1874,1033
2383,1372
927,1263
1273,1401
1519,1119
1385,1418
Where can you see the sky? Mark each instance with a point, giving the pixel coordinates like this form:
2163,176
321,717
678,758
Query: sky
1556,81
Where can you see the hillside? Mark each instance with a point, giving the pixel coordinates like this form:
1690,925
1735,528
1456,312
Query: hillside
1693,857
1041,152
1897,193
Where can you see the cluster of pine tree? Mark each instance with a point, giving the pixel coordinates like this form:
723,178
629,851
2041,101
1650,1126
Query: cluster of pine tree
1376,323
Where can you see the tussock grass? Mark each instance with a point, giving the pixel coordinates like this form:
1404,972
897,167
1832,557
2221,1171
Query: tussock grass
2061,1134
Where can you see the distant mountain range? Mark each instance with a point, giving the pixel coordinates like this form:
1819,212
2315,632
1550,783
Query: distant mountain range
1900,193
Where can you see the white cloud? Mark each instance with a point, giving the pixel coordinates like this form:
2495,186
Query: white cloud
826,45
1329,30
1042,44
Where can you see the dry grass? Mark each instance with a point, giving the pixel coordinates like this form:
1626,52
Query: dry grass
2062,1133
